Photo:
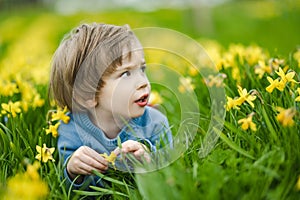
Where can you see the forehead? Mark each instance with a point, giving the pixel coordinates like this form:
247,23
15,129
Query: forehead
132,58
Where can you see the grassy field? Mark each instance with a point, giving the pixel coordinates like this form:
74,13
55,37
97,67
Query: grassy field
254,48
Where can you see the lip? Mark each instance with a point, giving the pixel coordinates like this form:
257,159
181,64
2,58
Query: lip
143,100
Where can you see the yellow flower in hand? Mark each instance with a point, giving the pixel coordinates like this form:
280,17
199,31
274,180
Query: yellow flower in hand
111,158
44,153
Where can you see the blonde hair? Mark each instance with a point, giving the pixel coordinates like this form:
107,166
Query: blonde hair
84,57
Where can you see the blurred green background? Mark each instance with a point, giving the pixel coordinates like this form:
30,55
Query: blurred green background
272,24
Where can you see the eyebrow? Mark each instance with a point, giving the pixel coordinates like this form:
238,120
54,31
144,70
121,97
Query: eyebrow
129,67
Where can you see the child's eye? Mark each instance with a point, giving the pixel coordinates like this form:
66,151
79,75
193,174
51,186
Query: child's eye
143,68
126,73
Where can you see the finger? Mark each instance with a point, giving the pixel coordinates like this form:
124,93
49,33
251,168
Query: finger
131,147
93,155
88,170
147,157
90,160
139,153
100,159
81,169
99,164
117,151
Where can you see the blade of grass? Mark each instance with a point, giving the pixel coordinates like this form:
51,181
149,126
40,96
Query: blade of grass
107,191
87,193
269,124
109,179
233,145
235,130
5,140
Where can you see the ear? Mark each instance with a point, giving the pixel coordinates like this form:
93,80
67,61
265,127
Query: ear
91,103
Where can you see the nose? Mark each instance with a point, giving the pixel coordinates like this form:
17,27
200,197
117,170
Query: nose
142,83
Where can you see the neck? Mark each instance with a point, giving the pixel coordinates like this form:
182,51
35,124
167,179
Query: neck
109,124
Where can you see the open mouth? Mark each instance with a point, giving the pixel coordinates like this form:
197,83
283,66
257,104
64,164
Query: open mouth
143,101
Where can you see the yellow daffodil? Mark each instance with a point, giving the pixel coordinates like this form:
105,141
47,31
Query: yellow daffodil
44,153
245,96
298,97
261,68
27,185
155,98
53,129
111,158
296,56
8,88
247,123
253,54
193,71
228,60
298,184
231,103
37,101
31,170
235,73
274,84
237,50
282,81
285,116
215,80
24,105
275,63
27,90
11,108
60,115
185,85
285,78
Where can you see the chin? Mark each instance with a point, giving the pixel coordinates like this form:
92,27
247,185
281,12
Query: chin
137,113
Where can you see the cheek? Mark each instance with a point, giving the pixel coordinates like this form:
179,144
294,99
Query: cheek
121,93
124,88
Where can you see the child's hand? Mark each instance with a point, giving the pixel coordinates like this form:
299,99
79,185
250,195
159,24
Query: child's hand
136,148
83,161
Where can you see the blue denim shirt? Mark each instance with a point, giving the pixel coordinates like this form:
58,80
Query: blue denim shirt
151,128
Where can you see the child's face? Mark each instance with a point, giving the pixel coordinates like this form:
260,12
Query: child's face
126,91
